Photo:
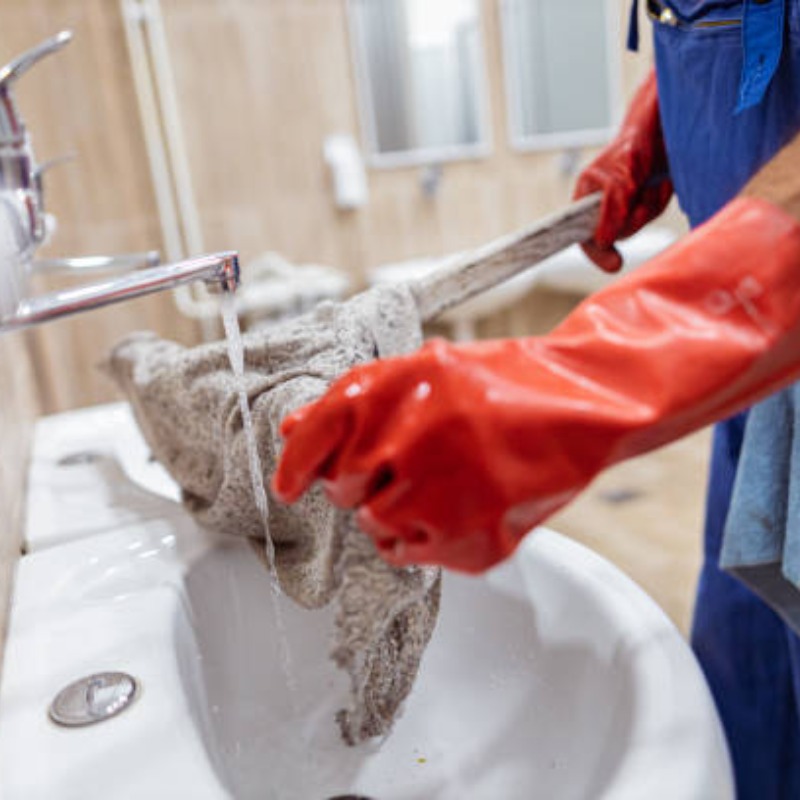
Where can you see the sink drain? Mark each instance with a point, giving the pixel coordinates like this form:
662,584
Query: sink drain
94,698
351,797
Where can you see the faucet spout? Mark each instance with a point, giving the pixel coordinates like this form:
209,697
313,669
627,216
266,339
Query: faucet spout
220,271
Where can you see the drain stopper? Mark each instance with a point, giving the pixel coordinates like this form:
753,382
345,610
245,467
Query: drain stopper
94,698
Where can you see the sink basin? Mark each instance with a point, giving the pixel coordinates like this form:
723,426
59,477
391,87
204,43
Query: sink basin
552,676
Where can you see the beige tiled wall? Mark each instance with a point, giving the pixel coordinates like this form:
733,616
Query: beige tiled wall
18,410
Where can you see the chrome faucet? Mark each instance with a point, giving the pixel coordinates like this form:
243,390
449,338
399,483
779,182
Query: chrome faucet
220,271
24,226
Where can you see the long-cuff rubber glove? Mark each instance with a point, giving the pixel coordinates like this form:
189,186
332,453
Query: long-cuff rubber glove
452,454
633,175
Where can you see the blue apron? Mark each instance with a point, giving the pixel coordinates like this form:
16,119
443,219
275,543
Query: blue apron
729,92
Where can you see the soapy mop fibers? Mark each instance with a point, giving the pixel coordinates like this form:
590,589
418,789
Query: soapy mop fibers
185,401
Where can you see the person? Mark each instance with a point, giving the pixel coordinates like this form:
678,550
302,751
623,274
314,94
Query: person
452,454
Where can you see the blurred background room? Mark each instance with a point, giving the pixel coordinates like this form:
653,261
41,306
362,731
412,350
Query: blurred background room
334,144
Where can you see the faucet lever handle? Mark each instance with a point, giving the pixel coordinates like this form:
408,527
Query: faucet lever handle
12,129
21,64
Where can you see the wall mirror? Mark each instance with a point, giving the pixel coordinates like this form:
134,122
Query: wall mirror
562,69
420,78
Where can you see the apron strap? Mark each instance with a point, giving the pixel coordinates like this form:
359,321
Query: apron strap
633,27
762,42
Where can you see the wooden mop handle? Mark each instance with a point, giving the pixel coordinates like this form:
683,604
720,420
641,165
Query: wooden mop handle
503,258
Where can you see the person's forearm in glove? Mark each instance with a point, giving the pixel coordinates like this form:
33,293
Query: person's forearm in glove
452,454
633,176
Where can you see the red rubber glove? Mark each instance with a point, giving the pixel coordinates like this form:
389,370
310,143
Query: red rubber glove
455,452
633,174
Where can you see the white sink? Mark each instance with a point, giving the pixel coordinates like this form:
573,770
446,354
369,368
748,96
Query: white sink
90,472
553,676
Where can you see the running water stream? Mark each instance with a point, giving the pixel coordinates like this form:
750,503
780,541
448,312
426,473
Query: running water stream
233,335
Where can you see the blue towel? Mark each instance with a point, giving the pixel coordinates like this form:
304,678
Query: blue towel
761,542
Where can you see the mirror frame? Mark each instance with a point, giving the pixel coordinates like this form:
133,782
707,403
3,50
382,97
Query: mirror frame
566,139
426,155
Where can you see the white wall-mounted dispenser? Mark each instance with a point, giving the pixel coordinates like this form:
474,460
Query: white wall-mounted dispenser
347,168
